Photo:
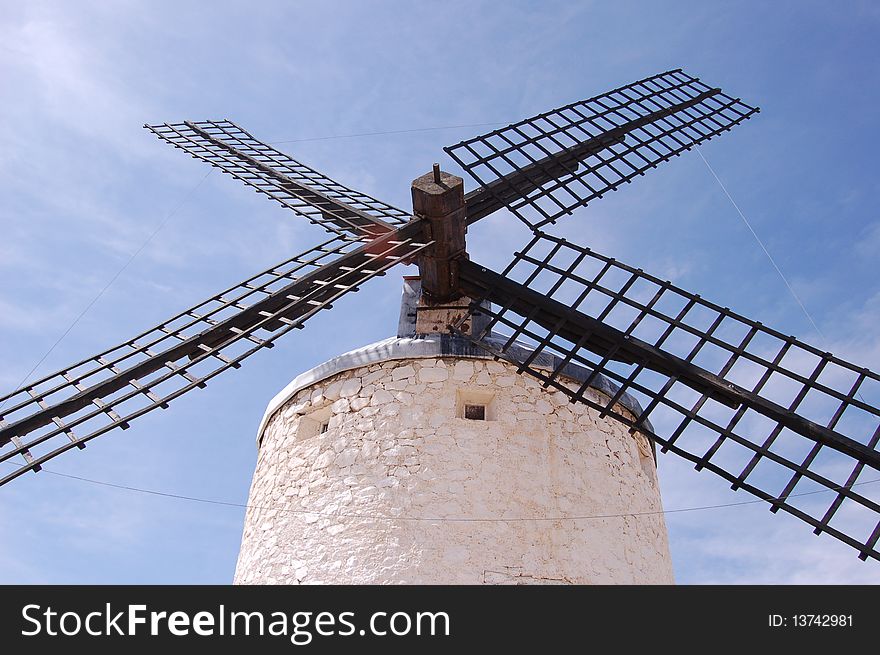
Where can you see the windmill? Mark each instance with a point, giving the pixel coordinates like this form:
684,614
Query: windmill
768,413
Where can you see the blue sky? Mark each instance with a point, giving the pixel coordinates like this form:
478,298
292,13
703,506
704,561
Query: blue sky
82,186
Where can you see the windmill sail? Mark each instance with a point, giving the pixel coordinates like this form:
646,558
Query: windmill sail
320,199
770,414
784,421
78,403
543,167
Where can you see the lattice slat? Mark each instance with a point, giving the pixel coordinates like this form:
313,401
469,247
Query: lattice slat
112,388
320,199
543,167
769,413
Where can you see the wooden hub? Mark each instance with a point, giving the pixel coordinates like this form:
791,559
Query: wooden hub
442,206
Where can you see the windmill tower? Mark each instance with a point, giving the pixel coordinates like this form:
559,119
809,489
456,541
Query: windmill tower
421,459
508,433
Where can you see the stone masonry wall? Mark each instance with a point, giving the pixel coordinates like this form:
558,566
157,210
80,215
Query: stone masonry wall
392,490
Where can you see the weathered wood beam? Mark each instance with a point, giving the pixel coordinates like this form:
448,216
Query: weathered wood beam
438,199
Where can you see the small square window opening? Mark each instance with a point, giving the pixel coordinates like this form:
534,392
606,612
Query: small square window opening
314,423
475,412
475,405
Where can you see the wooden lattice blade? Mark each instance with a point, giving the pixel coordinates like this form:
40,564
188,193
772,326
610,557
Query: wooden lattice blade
68,408
320,199
548,165
774,416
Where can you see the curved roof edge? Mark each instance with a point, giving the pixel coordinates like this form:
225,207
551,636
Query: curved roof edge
433,346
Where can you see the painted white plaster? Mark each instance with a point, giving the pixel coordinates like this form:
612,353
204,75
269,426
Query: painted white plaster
390,492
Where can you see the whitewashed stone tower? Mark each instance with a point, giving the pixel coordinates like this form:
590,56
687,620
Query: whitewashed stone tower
419,459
